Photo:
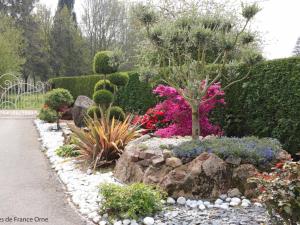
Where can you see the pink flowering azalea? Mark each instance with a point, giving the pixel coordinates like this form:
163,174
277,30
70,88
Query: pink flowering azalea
178,111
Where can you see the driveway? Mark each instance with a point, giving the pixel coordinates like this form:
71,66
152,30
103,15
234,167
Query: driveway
30,192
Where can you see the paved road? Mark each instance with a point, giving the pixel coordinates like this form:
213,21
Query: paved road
28,187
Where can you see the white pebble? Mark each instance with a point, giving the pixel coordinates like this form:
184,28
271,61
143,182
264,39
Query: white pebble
257,204
118,223
148,221
181,200
102,222
202,206
218,202
170,200
126,222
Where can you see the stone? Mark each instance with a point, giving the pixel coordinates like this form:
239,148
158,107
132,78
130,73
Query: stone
80,107
170,201
223,197
181,200
257,204
191,203
235,202
167,153
102,222
118,223
218,202
126,222
97,219
133,222
202,207
158,161
233,160
228,199
89,172
147,154
234,193
148,221
173,162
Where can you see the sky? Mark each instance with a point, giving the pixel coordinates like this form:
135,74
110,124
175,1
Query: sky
277,22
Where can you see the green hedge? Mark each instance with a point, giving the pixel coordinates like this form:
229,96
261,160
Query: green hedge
136,96
81,85
267,105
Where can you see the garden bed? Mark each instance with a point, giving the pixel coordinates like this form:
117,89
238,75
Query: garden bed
83,190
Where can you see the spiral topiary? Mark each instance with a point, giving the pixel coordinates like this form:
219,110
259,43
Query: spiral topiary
104,63
94,110
103,97
119,79
104,84
117,113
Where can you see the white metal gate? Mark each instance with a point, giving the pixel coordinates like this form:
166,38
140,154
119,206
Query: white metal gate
18,98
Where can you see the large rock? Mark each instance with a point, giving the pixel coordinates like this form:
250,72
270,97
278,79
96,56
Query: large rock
80,107
205,176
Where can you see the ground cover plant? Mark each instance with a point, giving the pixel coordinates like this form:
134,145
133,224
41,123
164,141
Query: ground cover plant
67,151
132,201
47,114
259,152
280,191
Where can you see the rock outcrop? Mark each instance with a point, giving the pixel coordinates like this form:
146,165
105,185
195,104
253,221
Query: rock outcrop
80,107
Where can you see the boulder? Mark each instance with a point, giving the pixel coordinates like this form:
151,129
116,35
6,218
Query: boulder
80,107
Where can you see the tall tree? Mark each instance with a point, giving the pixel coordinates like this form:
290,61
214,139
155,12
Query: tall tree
68,50
296,51
11,46
70,5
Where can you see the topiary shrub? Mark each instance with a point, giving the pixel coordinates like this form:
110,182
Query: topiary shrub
103,97
104,63
104,84
119,79
58,99
48,115
94,110
117,113
132,201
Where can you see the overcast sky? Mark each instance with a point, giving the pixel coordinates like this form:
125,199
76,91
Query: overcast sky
278,23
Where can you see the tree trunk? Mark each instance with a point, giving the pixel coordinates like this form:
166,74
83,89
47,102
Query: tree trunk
195,122
57,121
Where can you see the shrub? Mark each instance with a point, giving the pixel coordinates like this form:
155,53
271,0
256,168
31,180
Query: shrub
67,151
103,97
119,79
133,201
177,115
136,96
80,85
94,110
103,63
117,113
280,191
48,115
104,140
104,84
259,152
267,105
58,99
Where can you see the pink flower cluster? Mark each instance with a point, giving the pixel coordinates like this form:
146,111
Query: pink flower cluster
177,110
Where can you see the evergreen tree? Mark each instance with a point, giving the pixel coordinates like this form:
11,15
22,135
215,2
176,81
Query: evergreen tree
296,51
68,50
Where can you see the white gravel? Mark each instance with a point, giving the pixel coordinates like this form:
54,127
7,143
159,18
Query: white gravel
82,188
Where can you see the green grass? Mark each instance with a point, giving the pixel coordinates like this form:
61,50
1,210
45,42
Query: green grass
28,101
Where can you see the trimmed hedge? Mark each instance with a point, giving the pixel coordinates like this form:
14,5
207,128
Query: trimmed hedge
80,85
267,105
136,96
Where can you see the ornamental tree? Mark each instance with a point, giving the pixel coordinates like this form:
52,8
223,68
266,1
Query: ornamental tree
194,51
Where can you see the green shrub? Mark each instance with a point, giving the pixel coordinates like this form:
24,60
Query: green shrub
94,110
267,105
80,85
117,113
103,63
259,152
131,201
119,79
104,84
136,96
67,151
58,98
48,115
103,97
